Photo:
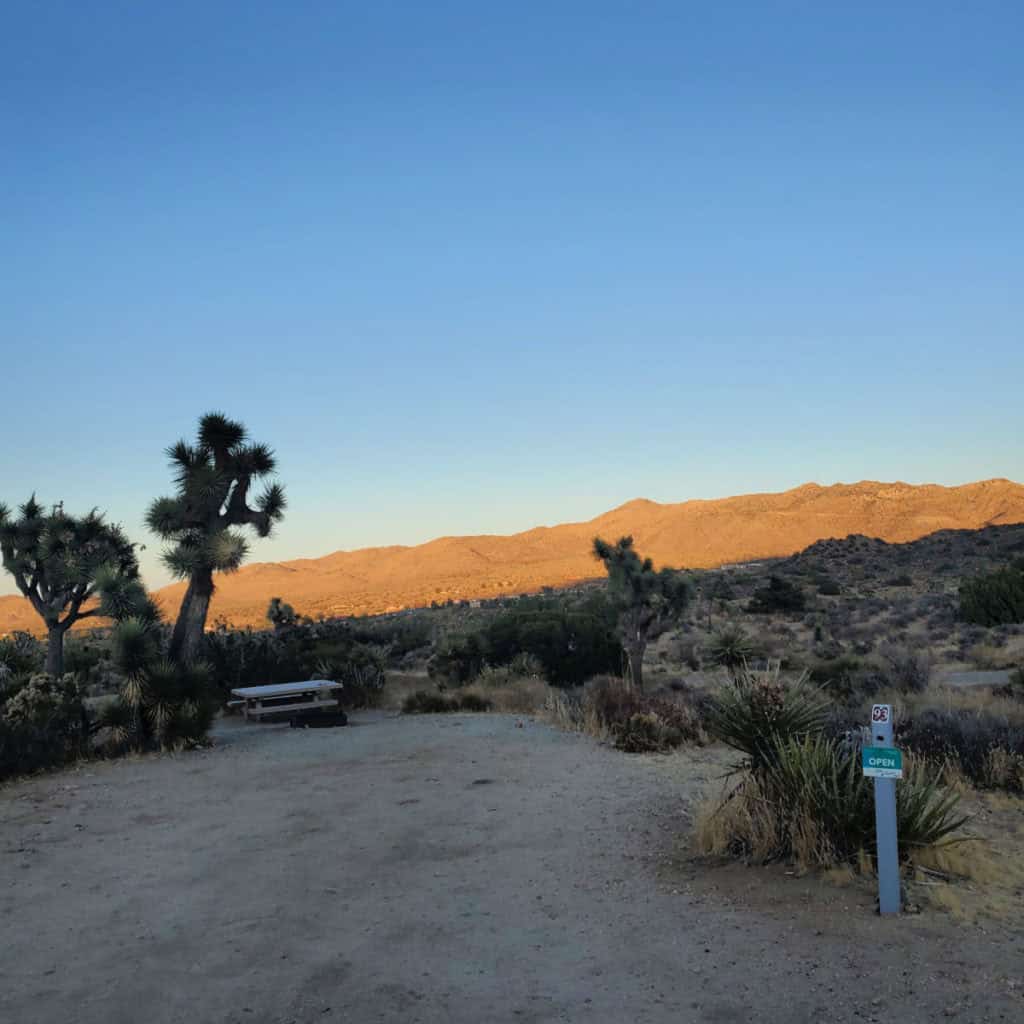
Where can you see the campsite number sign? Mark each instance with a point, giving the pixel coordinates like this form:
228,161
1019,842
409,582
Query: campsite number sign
884,763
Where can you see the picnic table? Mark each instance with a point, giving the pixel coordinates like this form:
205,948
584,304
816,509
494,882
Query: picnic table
283,698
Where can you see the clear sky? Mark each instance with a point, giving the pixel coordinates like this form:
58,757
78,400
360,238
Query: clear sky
471,267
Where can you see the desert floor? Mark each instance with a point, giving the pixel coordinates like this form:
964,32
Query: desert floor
440,869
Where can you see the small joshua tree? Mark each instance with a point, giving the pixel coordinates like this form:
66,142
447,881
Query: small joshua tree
646,602
281,614
214,477
55,558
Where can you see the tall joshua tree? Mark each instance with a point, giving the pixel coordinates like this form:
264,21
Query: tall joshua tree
55,559
646,601
214,477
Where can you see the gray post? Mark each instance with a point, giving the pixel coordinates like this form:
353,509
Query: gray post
885,820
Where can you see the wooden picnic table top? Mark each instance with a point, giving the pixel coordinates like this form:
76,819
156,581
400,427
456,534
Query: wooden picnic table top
285,689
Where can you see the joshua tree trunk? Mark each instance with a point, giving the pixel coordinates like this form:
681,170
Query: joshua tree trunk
187,638
55,649
636,664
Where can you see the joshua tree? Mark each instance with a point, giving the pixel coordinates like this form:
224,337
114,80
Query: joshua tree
55,558
213,477
281,614
646,601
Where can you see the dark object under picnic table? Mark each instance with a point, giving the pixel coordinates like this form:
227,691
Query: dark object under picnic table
318,719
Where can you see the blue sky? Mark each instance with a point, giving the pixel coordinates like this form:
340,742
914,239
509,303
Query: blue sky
471,267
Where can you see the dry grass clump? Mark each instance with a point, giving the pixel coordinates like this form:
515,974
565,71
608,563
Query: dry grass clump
525,695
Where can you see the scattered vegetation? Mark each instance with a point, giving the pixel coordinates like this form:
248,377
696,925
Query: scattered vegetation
983,747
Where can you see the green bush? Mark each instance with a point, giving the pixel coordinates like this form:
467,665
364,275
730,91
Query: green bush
780,595
573,642
458,660
993,600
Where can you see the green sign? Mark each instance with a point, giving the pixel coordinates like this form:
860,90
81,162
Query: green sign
882,762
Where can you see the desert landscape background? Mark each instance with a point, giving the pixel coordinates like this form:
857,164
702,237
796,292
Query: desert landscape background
691,534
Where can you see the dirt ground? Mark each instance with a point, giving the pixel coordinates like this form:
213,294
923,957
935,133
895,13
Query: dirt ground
439,869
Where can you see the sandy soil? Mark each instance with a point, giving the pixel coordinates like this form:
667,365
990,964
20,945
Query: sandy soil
450,869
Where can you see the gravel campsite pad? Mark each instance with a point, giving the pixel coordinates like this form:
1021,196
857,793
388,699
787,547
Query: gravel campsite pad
452,869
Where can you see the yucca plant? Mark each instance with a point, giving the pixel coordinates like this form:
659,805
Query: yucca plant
813,804
731,648
161,703
756,710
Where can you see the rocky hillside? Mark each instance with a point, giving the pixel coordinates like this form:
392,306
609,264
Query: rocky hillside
693,534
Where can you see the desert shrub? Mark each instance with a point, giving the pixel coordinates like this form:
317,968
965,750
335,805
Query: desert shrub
995,599
731,648
43,724
522,666
780,595
521,695
457,660
422,702
21,654
828,586
608,708
571,642
1014,686
400,636
657,725
609,699
902,580
842,677
758,709
645,732
905,669
986,747
472,702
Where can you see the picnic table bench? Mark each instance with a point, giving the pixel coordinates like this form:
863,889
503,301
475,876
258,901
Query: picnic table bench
283,698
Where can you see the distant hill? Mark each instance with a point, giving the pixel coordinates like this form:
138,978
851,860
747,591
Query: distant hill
692,534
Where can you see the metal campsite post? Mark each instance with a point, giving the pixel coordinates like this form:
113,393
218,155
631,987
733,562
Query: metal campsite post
884,763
